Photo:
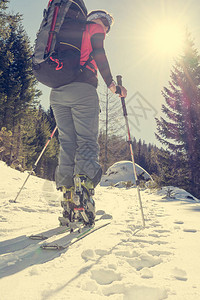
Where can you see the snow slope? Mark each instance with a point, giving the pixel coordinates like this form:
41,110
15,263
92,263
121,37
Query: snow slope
121,261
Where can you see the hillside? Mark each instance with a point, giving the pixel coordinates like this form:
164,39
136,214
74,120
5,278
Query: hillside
121,261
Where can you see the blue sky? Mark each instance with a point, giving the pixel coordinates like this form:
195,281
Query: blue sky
130,51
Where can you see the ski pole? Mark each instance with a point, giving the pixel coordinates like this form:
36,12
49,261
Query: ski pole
35,164
119,82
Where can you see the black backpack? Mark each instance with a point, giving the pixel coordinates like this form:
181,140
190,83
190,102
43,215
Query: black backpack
56,58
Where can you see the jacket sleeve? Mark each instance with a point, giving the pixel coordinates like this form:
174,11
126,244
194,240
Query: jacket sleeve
97,42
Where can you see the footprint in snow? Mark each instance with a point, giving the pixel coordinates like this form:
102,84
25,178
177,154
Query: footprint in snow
114,289
14,178
112,266
144,261
88,255
142,242
159,215
146,273
162,231
2,219
155,224
190,230
145,293
178,222
101,252
28,209
159,252
156,235
179,274
126,253
90,286
105,276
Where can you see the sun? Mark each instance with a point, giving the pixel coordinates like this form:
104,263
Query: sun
166,38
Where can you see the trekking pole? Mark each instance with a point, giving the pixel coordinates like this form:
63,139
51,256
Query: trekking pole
119,82
35,164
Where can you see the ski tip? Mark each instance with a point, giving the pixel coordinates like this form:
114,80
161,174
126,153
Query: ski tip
38,237
52,247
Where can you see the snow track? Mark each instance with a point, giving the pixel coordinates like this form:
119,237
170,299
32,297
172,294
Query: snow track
121,261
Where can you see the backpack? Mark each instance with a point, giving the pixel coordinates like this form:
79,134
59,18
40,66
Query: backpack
56,56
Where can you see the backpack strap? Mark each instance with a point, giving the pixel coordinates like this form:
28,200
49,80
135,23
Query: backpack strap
75,14
88,63
52,31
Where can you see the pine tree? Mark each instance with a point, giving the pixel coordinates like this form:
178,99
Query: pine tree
49,160
18,91
17,80
179,131
5,144
118,150
35,134
3,16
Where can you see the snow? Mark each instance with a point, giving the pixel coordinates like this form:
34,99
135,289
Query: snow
122,172
120,261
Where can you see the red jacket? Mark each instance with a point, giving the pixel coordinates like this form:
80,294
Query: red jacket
86,47
93,42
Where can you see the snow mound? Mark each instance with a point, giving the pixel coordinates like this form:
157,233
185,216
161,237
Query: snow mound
122,172
174,193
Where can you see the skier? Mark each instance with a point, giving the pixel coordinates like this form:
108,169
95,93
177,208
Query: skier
76,110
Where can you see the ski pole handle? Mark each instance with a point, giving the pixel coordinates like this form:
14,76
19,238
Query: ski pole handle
119,82
119,79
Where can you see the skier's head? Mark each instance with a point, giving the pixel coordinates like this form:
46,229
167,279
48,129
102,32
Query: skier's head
105,17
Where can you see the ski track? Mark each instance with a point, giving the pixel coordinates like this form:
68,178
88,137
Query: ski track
121,261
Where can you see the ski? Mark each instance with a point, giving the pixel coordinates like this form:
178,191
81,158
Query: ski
24,241
49,233
65,229
21,242
73,238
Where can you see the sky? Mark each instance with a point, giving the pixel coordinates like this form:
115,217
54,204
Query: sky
134,49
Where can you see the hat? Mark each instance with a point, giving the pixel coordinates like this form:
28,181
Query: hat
105,17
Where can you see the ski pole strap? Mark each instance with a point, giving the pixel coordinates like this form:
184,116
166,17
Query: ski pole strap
119,82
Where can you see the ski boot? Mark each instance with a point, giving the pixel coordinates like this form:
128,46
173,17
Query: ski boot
68,204
84,190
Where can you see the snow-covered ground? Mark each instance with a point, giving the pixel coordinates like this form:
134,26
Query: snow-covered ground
120,261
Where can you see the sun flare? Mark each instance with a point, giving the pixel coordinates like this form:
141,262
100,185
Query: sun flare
167,38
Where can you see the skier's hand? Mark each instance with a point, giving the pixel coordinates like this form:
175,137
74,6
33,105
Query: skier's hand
118,89
122,91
